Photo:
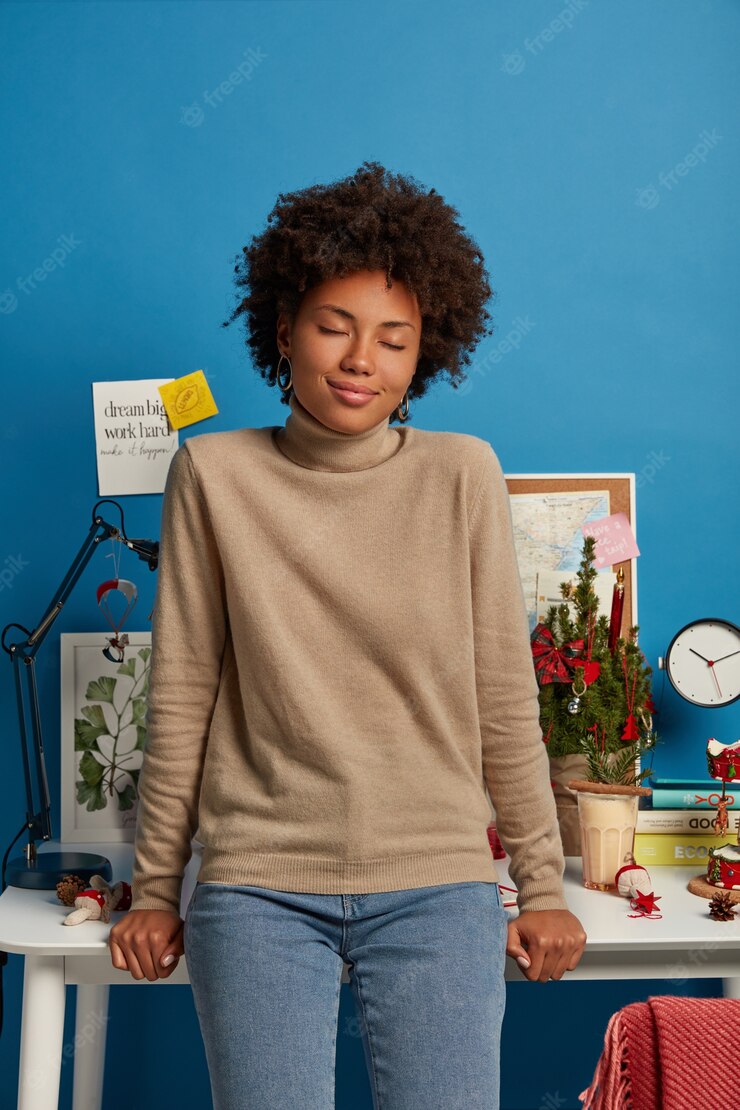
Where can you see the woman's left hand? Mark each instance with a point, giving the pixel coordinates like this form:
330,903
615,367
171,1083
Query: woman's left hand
545,943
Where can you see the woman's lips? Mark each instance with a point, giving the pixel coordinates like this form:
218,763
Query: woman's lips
350,397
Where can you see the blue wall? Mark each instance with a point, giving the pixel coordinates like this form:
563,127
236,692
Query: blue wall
564,134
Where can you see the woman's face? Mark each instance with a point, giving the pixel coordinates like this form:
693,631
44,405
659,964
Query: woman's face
351,331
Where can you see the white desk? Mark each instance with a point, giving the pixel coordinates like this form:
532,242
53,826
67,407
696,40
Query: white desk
685,943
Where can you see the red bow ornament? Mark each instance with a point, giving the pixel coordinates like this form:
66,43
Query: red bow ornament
551,662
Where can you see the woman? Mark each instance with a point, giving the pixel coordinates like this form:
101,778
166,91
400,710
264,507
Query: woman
341,665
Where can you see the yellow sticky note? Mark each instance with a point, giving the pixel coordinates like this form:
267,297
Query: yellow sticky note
187,400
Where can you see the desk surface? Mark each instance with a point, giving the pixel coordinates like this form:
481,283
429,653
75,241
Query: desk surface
684,943
31,921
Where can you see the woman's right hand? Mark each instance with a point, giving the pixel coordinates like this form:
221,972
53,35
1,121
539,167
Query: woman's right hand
142,939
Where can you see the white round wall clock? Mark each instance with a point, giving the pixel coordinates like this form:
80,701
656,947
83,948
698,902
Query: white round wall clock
703,662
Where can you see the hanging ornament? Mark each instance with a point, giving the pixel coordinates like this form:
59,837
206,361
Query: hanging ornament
591,668
721,820
119,641
646,724
599,742
588,669
551,662
630,729
574,705
591,671
615,619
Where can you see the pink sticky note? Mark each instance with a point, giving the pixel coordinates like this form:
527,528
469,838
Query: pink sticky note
615,540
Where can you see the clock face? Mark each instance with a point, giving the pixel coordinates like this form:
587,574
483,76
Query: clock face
703,662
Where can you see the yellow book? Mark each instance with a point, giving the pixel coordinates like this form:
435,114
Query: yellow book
677,848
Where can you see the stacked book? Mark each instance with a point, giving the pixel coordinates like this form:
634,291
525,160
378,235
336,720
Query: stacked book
677,828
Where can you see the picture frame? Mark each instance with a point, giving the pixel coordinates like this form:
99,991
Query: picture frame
103,735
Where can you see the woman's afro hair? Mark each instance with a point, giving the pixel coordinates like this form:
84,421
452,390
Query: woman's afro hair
371,220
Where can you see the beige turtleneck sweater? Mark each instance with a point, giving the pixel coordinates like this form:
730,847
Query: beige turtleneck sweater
340,666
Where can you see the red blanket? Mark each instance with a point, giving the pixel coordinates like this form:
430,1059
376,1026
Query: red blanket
650,1059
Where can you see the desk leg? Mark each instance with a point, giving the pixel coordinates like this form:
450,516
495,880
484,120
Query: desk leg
731,988
90,1029
42,1031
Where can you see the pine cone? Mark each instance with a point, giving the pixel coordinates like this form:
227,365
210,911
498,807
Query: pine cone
721,906
68,887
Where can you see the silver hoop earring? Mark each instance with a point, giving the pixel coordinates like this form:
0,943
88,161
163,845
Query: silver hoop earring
403,415
284,388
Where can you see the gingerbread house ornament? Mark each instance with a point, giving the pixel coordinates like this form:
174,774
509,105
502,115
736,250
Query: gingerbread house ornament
723,760
723,868
723,863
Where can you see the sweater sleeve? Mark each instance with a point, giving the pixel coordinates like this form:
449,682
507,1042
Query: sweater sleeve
515,764
188,637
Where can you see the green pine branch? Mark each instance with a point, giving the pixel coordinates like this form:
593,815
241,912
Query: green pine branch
615,767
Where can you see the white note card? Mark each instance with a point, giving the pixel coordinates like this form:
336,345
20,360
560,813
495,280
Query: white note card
548,591
134,443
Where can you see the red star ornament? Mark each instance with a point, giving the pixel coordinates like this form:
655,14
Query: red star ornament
645,904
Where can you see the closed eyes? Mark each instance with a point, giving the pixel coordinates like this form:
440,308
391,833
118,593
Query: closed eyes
330,331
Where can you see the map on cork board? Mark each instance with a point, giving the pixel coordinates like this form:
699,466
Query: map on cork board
549,512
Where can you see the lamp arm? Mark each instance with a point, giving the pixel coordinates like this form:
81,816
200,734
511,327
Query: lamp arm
38,821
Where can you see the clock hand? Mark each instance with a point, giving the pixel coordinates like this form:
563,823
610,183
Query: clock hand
714,673
710,663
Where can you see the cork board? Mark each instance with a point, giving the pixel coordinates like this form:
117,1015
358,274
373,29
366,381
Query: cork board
621,500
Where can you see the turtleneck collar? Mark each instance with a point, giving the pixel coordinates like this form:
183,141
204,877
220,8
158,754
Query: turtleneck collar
308,442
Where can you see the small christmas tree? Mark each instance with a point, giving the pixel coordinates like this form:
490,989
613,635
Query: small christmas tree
592,700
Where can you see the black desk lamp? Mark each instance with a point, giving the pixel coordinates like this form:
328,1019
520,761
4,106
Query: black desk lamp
43,872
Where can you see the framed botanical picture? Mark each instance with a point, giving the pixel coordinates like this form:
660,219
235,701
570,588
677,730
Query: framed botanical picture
103,734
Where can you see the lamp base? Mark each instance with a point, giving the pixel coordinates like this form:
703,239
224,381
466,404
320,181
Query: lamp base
49,868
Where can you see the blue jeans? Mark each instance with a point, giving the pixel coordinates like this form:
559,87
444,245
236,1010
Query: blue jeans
426,971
